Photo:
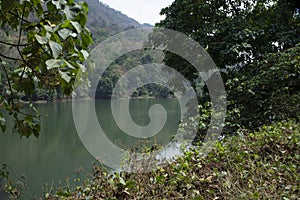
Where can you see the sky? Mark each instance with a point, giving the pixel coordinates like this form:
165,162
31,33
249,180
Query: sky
143,11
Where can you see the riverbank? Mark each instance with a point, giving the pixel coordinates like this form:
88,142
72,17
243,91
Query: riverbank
251,165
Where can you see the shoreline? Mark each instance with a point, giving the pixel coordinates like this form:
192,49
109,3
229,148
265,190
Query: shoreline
89,99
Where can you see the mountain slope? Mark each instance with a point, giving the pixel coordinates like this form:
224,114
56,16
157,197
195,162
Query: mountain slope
104,21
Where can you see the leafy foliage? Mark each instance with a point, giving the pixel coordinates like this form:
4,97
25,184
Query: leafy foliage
10,188
234,32
50,42
253,165
253,44
267,90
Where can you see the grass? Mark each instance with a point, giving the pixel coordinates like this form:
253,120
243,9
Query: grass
252,165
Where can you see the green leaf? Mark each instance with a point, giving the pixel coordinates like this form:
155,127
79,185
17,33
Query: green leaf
85,54
82,19
77,26
69,65
39,8
69,13
36,2
65,76
50,6
59,3
122,181
85,7
66,24
7,5
64,33
86,40
130,184
53,63
56,49
48,28
40,39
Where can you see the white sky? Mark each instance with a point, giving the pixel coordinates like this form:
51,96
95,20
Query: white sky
143,11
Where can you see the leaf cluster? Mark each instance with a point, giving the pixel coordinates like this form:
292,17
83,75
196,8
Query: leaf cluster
50,40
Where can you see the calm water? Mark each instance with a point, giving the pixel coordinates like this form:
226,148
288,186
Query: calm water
58,153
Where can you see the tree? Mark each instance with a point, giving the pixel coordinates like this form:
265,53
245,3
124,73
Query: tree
254,43
234,32
267,90
49,43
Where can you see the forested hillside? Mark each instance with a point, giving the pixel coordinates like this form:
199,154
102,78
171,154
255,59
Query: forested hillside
104,21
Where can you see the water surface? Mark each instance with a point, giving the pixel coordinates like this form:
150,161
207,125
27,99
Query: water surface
58,153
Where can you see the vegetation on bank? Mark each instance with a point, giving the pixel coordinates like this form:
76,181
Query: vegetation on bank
262,164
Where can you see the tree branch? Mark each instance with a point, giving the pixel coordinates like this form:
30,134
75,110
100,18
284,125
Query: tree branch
11,90
19,42
14,45
10,58
13,14
7,77
19,50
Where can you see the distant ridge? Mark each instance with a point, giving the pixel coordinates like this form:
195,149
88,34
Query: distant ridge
147,25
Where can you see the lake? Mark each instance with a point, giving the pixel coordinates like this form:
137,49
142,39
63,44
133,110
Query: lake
59,154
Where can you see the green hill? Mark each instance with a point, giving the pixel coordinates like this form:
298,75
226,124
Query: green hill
104,21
